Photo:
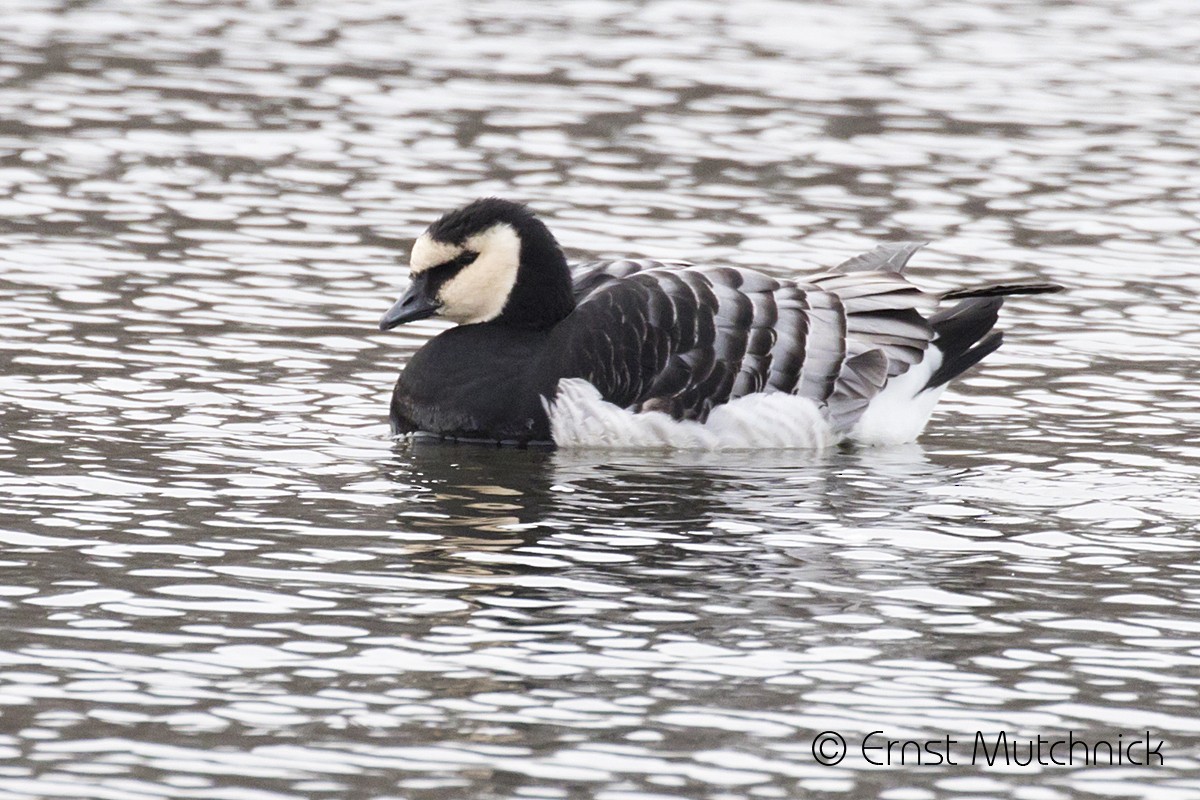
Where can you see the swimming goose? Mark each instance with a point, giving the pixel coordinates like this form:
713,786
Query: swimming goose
646,353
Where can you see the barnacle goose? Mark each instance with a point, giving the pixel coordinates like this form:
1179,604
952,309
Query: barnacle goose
645,353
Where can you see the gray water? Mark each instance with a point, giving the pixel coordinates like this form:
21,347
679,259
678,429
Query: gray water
220,578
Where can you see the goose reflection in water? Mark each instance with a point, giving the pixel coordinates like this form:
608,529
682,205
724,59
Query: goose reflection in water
792,536
504,490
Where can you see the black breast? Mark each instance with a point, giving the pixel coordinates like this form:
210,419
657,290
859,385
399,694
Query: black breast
471,382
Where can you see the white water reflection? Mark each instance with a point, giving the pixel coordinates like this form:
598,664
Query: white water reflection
220,579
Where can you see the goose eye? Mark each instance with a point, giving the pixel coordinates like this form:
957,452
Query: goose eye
461,260
443,272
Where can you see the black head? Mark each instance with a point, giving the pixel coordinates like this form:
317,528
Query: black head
489,261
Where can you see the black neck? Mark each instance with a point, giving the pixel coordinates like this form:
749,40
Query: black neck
543,295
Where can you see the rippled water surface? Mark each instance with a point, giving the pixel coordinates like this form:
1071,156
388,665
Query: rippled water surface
220,579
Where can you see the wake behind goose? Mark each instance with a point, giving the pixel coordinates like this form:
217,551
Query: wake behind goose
645,353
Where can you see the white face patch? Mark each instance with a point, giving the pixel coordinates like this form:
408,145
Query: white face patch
428,253
480,290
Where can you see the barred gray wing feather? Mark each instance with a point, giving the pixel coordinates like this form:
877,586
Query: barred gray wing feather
861,378
887,257
884,311
825,344
592,275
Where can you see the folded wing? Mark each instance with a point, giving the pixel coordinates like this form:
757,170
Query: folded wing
682,340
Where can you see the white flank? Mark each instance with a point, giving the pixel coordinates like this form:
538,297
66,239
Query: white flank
900,412
579,417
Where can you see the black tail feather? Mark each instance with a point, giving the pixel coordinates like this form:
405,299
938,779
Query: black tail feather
964,335
1002,290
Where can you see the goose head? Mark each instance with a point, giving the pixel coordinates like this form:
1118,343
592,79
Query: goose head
491,261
